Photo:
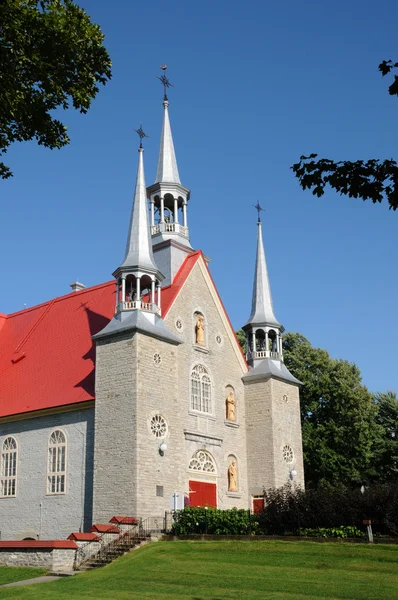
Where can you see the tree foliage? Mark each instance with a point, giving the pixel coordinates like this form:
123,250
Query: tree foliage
340,432
51,56
386,458
371,179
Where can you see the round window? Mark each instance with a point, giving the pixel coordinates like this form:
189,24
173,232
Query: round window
288,454
158,426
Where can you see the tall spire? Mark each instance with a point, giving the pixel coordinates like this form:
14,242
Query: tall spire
262,309
168,199
167,170
139,246
263,330
138,279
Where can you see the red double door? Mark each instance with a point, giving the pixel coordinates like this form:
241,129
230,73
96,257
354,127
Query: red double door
202,494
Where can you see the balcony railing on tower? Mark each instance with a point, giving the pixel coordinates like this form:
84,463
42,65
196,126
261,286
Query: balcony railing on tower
138,304
170,228
264,354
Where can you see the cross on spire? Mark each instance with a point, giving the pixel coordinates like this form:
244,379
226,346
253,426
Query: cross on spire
258,209
165,81
141,134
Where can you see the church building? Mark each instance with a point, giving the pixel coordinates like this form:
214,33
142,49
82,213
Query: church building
116,398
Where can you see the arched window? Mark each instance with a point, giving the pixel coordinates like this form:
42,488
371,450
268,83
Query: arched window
56,471
9,467
201,390
202,461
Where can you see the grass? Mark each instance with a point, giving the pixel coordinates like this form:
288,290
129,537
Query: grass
10,574
269,570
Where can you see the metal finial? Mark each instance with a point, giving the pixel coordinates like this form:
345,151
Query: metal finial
258,209
165,81
141,134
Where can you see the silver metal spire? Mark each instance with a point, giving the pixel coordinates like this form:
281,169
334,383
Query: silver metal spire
139,245
262,309
167,170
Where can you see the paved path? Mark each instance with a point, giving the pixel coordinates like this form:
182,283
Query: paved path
41,579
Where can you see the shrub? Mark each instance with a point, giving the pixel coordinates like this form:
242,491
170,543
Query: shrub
213,521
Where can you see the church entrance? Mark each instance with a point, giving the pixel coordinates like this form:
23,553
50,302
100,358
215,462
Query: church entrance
258,504
202,493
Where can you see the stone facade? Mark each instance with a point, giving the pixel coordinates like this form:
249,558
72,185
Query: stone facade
139,377
59,560
34,513
223,359
115,455
273,424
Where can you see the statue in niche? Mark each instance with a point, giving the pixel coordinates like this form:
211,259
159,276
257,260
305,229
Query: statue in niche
200,330
231,406
233,477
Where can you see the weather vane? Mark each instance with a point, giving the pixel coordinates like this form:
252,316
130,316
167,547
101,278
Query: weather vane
141,133
165,81
258,209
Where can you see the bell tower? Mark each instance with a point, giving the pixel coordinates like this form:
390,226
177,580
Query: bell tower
127,349
273,422
263,330
168,202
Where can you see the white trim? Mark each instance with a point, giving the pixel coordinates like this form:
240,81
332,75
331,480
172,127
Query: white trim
8,477
56,473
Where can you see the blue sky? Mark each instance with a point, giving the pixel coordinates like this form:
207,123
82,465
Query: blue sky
257,84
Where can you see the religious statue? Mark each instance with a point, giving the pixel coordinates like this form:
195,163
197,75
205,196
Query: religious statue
231,406
200,330
233,477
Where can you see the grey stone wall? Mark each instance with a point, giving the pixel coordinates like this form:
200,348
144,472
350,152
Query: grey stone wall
273,421
212,433
60,560
31,557
115,454
33,513
63,560
157,394
132,477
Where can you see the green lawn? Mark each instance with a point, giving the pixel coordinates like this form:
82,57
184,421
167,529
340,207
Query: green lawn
234,570
10,574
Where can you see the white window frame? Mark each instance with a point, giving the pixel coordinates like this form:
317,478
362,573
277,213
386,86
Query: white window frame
200,400
56,475
9,469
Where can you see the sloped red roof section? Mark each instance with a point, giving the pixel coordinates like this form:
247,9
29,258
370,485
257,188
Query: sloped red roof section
61,544
99,528
124,520
78,536
47,355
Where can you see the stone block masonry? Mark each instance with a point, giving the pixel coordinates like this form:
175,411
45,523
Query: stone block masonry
54,555
115,450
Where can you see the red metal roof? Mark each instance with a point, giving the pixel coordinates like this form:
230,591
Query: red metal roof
47,356
104,528
83,537
61,544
